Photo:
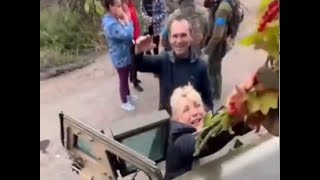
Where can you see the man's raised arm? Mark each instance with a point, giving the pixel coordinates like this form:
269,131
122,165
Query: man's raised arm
147,63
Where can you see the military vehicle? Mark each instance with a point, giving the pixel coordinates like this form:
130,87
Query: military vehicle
138,145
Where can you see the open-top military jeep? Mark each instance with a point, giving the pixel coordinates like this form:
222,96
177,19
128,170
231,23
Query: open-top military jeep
138,144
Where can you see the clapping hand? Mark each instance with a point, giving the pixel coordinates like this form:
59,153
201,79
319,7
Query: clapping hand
144,43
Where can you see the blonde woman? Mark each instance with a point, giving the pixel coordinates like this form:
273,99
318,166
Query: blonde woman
187,118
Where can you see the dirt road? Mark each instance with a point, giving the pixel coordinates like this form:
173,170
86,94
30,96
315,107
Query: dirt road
91,95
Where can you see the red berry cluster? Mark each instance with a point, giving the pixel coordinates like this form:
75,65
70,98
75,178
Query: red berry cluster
271,13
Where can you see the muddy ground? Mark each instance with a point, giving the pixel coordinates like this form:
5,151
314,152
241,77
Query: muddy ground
91,95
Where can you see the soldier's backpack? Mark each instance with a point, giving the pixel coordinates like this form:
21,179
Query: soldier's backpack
236,17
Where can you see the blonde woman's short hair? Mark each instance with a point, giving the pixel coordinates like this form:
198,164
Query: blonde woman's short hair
183,92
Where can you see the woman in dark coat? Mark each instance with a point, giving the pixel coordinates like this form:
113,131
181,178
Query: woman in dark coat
188,119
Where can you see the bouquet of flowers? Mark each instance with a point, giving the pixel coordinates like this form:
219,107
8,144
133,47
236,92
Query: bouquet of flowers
256,101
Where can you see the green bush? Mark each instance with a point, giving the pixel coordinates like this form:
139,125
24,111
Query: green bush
67,34
50,58
69,30
61,29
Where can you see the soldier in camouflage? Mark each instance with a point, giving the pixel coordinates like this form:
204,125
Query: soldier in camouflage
226,16
198,18
171,5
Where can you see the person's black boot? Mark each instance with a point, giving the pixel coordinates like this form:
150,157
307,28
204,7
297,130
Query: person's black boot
138,87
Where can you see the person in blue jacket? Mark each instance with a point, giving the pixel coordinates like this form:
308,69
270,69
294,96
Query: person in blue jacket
118,30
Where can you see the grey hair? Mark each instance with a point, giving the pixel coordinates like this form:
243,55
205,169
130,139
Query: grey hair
179,18
183,92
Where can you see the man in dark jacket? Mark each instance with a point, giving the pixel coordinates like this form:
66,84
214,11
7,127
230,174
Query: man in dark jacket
175,68
197,15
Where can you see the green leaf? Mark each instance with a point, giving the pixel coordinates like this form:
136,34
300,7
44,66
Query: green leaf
226,122
211,119
214,125
268,40
217,131
208,119
87,6
99,8
248,41
253,103
269,100
264,5
212,133
262,102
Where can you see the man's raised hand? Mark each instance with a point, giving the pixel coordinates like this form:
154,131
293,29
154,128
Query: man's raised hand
143,44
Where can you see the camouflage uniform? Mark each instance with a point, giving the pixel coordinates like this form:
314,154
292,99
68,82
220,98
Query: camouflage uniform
217,45
171,5
198,19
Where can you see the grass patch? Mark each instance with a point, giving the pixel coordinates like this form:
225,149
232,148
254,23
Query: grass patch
66,35
69,34
50,58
